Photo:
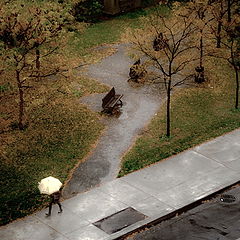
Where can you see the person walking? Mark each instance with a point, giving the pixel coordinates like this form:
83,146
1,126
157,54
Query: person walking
55,199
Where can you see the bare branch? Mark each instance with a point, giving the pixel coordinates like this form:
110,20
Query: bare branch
183,81
153,58
51,52
183,65
27,87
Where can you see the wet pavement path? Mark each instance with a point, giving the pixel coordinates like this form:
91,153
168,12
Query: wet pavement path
140,103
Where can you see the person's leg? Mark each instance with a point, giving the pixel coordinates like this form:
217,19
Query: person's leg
60,207
49,209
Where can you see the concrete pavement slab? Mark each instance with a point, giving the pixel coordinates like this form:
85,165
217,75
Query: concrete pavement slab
233,136
180,196
123,192
170,172
222,149
152,207
198,188
29,228
234,164
94,205
89,232
64,222
61,238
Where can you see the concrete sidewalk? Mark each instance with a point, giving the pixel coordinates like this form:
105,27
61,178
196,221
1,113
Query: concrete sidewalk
153,192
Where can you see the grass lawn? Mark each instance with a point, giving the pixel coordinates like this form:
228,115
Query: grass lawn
198,114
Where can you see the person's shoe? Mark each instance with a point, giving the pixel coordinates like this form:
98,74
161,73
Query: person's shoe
48,214
60,211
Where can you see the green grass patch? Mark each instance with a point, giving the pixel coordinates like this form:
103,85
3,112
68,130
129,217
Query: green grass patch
55,141
60,133
84,86
109,31
198,114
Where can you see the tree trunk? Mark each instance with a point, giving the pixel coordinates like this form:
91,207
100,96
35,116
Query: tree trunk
38,62
168,107
237,87
199,76
229,10
21,101
219,29
37,59
201,50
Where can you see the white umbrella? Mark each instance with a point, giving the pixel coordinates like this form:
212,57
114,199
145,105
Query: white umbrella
49,185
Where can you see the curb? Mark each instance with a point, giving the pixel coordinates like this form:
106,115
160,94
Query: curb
141,225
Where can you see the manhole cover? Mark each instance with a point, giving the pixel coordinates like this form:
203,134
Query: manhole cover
226,198
119,220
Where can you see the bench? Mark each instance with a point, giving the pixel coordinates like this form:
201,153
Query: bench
111,101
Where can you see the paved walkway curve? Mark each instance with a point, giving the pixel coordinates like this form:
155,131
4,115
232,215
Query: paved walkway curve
139,106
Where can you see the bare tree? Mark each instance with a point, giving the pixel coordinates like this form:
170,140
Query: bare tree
231,4
24,28
230,51
221,11
218,10
165,45
233,46
198,11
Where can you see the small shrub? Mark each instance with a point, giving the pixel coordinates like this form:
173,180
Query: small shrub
147,3
87,11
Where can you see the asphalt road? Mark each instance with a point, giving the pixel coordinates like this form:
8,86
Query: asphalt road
215,219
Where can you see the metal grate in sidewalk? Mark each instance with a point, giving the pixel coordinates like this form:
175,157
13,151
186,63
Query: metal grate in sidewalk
119,220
